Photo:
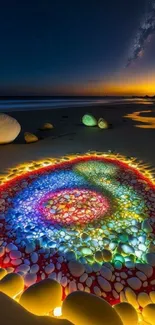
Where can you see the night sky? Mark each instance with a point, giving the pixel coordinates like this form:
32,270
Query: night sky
79,47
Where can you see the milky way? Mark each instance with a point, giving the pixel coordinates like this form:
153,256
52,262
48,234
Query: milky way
144,33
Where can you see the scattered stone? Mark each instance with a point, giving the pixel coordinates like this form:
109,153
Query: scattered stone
13,313
15,254
127,313
9,129
143,299
72,286
104,284
145,268
118,286
102,124
150,258
152,296
146,226
134,283
83,277
89,120
131,297
2,251
34,257
97,291
46,126
42,297
30,137
106,273
94,310
76,268
141,276
3,272
12,284
148,313
49,268
29,279
107,255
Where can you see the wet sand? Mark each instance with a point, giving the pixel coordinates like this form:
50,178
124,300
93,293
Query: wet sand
70,136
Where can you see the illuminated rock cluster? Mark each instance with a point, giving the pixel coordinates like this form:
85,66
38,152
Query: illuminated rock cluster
86,221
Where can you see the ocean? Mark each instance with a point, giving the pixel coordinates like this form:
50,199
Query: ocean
53,103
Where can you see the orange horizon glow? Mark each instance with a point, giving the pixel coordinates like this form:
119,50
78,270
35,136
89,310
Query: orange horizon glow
114,88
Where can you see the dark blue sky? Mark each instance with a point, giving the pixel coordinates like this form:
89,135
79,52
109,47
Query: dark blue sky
58,47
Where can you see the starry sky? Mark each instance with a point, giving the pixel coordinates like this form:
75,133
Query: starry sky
80,47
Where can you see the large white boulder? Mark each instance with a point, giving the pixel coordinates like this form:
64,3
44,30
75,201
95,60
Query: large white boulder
9,128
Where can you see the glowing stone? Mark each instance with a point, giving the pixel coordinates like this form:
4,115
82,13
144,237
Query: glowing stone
89,120
102,124
143,299
57,312
80,220
127,313
3,272
30,137
82,308
42,297
149,313
9,129
12,284
47,126
13,313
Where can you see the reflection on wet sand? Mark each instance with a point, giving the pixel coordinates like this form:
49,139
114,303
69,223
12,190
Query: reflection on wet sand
150,121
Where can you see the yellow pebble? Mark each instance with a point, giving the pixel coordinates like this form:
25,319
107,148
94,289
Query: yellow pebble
143,299
149,314
83,308
30,137
12,312
3,272
152,296
42,297
127,313
12,284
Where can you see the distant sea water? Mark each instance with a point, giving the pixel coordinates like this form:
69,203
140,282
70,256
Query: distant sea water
53,103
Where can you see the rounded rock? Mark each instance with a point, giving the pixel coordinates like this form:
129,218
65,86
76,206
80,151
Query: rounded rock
30,137
94,310
106,272
9,128
143,299
76,268
145,268
15,254
107,255
3,272
49,268
149,313
134,283
131,297
152,296
102,124
89,120
12,284
127,313
104,284
29,279
150,258
42,297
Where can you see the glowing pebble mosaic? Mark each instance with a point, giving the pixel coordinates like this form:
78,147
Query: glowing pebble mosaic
86,221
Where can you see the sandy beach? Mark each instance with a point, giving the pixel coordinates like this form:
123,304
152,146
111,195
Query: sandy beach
70,136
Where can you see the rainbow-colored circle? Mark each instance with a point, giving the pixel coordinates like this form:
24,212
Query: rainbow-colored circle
96,210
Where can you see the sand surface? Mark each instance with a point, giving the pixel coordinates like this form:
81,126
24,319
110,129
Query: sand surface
70,136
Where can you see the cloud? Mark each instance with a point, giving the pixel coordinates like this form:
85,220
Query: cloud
143,36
